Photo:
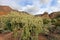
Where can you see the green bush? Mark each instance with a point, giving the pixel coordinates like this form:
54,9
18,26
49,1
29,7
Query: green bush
30,25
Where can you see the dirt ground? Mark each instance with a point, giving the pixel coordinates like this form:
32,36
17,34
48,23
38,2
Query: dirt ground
8,36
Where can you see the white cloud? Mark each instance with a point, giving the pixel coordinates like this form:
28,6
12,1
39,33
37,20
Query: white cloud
35,8
54,9
58,1
44,1
10,3
31,9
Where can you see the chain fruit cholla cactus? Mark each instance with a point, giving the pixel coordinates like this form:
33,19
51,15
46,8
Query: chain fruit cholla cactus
30,25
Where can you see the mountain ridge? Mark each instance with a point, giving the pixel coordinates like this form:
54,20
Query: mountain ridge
6,9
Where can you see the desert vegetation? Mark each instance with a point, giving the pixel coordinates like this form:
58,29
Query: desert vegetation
30,26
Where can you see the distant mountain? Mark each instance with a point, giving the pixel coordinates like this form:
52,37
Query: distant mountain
54,14
44,15
6,9
51,15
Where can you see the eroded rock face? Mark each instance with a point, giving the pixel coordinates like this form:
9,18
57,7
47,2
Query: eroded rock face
54,14
44,15
4,10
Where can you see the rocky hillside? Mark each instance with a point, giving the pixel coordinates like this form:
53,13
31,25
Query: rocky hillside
54,14
46,15
5,10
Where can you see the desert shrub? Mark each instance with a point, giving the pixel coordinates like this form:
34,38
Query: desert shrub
29,25
46,21
53,21
46,25
57,22
32,29
57,18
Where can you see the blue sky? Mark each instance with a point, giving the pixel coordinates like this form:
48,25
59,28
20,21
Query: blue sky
33,6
